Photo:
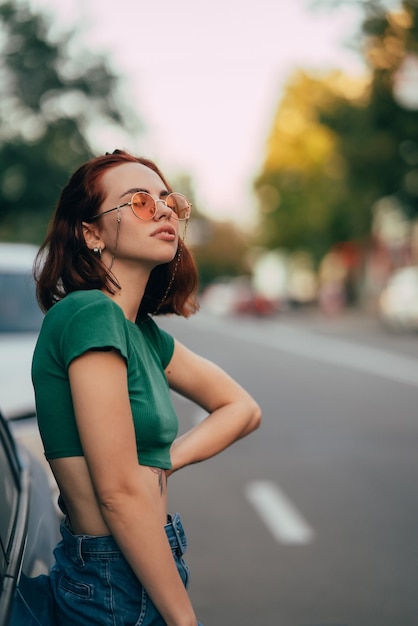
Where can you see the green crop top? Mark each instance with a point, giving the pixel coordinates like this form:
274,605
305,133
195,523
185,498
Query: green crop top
88,320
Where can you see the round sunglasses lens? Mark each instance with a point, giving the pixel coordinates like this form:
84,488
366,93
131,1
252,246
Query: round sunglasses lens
143,205
179,204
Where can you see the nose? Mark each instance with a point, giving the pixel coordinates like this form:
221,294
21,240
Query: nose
162,209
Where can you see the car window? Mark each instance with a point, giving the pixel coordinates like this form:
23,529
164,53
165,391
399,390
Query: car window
19,310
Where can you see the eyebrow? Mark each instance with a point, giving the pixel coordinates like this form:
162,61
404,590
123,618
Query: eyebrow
163,194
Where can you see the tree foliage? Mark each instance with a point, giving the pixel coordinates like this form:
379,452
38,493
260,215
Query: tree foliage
50,99
335,149
303,184
222,251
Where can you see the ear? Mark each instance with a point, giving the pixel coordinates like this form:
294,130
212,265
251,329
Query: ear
92,236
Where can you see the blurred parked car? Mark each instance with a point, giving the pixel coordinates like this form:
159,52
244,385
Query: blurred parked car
398,302
20,322
29,522
236,296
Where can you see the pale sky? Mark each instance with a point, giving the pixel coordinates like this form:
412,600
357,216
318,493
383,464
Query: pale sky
206,78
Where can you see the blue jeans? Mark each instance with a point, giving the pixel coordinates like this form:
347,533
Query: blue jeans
93,584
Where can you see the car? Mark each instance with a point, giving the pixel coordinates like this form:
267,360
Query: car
236,296
398,302
29,522
20,322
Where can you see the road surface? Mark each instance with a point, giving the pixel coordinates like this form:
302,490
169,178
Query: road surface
311,521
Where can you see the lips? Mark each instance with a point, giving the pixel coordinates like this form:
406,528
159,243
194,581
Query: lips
165,230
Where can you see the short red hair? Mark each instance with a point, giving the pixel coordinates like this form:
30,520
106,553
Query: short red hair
65,264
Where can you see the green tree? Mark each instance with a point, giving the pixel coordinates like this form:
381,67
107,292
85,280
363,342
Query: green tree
221,252
379,141
302,186
50,100
348,148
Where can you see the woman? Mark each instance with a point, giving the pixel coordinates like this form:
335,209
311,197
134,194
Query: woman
102,370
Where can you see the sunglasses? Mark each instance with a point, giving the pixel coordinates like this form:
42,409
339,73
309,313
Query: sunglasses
144,206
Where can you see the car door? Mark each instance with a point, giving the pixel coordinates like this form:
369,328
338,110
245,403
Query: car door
14,517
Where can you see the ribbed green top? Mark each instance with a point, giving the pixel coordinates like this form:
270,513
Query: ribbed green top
88,320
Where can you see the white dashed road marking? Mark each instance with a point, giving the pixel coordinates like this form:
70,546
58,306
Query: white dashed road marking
279,514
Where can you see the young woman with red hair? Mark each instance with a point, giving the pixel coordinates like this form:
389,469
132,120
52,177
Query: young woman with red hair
102,370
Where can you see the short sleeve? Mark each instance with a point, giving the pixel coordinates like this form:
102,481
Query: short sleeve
95,325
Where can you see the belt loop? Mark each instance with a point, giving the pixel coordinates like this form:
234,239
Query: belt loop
80,551
179,532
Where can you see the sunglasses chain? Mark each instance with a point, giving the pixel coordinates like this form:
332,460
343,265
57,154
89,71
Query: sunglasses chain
174,272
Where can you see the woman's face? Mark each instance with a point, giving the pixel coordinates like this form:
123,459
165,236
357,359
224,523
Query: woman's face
150,242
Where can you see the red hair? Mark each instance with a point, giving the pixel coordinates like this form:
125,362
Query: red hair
65,263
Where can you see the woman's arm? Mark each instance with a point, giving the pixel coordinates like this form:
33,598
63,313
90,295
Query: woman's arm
127,493
232,412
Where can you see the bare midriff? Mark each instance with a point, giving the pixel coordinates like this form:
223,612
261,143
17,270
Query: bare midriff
82,507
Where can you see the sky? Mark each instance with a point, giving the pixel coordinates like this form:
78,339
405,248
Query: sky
206,78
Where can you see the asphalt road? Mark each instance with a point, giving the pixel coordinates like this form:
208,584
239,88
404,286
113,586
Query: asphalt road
311,521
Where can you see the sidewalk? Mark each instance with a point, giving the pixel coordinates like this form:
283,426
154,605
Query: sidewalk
354,324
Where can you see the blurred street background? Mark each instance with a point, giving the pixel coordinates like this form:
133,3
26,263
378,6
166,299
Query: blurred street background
311,522
293,129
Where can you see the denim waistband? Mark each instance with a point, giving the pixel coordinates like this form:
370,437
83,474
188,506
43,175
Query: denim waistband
83,548
175,534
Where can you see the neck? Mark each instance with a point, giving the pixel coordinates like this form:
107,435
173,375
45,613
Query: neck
132,289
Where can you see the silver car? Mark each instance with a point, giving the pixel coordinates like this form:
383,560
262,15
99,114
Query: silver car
29,519
20,322
29,523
